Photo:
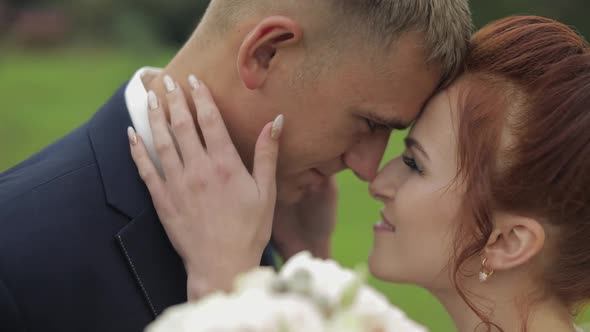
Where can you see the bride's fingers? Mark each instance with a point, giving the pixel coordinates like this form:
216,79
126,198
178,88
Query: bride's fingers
266,156
183,124
148,173
163,142
215,133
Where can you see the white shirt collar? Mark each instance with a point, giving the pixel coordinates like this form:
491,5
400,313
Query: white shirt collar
137,104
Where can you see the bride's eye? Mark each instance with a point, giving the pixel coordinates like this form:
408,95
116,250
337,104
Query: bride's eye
411,163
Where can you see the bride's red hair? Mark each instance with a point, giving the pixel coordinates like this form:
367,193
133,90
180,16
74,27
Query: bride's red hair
524,134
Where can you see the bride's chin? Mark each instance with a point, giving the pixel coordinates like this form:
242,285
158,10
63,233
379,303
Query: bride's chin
377,268
380,267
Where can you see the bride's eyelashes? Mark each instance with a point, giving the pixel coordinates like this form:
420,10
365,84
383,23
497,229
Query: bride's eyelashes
412,164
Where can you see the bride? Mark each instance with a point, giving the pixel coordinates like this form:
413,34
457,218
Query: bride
488,208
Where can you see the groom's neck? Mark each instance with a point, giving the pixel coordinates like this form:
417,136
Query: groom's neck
208,65
214,63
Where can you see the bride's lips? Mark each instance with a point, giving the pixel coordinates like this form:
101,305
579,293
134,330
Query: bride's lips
384,225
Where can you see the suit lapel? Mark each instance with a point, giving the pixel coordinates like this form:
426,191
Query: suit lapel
157,268
155,265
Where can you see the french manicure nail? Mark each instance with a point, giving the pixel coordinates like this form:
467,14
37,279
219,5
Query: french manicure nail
194,82
277,127
169,83
132,136
152,100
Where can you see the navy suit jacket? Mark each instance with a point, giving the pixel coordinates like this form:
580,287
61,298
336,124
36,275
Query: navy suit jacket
81,246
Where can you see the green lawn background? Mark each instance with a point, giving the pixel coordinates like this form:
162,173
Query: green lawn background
45,95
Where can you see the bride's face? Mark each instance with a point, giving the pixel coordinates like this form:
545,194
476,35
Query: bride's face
421,201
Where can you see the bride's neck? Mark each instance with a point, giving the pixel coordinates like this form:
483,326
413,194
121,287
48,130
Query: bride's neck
507,312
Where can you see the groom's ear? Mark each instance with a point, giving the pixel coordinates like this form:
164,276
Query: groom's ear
514,241
262,48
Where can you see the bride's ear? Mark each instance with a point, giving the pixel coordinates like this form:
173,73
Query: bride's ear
513,242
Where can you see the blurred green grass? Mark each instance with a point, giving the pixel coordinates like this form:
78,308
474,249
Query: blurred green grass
44,96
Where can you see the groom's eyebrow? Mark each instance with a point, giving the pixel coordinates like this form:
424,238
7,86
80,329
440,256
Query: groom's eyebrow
391,123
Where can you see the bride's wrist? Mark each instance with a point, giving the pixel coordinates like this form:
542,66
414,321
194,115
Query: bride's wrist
204,279
201,285
201,282
197,288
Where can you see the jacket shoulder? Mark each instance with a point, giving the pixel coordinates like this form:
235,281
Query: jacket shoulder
58,160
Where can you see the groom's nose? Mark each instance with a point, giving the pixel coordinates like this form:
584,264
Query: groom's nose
365,156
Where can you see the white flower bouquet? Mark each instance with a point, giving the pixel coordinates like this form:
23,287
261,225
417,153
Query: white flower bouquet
308,295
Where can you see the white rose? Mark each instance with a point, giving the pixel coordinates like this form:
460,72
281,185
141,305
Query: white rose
308,287
352,321
331,280
370,307
343,322
183,317
328,278
258,278
251,310
370,301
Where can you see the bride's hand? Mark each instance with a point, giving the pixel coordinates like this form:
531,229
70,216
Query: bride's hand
217,215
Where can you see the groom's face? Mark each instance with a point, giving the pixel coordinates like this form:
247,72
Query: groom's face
343,119
339,116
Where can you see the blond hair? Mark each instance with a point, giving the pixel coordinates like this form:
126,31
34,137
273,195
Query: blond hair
445,24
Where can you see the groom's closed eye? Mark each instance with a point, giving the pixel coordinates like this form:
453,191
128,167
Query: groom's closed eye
376,121
373,126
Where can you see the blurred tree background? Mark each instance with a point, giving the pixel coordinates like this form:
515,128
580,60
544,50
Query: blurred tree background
60,60
140,22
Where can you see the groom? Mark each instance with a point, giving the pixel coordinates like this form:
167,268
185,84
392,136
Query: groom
81,247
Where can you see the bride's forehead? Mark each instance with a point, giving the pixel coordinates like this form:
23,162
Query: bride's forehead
440,109
436,125
463,94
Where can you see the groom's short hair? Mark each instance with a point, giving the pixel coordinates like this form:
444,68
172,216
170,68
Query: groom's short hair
445,24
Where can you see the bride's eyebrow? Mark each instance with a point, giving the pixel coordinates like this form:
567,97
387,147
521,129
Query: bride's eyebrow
413,143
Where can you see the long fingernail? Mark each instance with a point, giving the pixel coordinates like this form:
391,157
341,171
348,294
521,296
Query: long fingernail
132,136
194,82
169,83
277,127
152,100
